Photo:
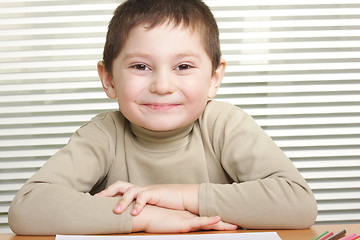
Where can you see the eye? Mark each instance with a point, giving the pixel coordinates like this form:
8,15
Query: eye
183,67
141,67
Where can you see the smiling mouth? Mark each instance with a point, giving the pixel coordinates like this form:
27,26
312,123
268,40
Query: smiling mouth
156,106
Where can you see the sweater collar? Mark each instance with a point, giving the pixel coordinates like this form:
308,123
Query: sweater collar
161,140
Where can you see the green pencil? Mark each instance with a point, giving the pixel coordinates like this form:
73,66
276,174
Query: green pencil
323,234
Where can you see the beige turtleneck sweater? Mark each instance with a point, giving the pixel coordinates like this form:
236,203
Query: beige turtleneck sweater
244,177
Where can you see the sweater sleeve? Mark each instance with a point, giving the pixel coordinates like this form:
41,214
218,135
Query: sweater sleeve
267,192
56,200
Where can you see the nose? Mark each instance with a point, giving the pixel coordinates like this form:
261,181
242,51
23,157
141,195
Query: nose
162,83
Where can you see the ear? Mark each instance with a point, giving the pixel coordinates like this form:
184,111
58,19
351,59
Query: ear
106,80
216,79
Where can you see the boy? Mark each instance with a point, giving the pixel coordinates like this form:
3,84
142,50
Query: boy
170,160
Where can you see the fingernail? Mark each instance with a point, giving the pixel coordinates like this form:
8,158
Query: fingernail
134,211
118,209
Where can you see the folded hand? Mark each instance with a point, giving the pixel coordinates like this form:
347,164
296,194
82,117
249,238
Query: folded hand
172,196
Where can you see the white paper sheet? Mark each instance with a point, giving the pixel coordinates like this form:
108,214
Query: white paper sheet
225,236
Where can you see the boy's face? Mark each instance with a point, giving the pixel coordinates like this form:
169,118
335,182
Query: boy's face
162,77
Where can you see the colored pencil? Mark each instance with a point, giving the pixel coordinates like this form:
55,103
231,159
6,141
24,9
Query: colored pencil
326,236
321,235
337,235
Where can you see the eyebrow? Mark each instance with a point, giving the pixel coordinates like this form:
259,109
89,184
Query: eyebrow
131,55
145,55
189,54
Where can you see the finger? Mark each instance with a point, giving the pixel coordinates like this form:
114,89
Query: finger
127,198
142,199
115,189
221,226
99,194
201,222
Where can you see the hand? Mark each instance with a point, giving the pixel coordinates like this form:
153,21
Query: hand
172,196
155,219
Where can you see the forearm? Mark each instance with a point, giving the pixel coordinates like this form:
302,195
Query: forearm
154,219
262,204
46,209
190,195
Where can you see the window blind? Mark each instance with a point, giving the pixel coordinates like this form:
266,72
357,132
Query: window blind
293,65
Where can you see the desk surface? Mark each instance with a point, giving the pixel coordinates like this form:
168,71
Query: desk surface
307,234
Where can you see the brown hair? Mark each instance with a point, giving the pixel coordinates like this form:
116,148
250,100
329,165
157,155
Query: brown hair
187,13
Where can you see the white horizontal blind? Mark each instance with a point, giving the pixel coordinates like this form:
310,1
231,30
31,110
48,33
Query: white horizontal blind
294,65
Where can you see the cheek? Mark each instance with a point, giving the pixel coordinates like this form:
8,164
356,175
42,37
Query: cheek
128,88
198,89
127,102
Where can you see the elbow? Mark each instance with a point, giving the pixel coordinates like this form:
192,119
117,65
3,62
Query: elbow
307,212
307,209
20,218
301,208
302,213
15,218
299,213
